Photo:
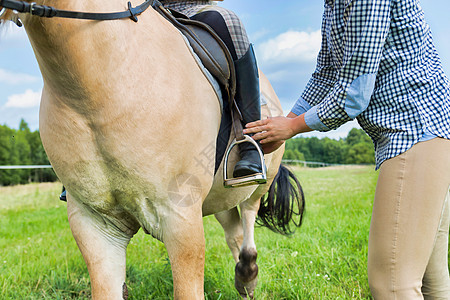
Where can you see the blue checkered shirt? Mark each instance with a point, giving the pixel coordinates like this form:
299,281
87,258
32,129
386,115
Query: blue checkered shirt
378,64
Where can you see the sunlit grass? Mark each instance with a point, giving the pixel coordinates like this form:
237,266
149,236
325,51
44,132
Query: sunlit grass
325,259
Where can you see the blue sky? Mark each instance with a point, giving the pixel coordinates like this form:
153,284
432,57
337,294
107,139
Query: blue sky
286,35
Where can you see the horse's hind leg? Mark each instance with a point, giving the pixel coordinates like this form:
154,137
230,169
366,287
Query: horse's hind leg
232,226
246,272
104,250
238,231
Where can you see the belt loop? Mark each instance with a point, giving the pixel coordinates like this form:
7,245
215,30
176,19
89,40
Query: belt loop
32,4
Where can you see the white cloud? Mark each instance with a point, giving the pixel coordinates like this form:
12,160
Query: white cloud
16,78
25,100
283,74
10,32
288,60
291,47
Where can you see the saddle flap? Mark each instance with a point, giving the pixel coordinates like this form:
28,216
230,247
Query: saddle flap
214,57
208,46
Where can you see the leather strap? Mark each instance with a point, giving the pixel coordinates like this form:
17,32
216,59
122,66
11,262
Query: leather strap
236,118
50,12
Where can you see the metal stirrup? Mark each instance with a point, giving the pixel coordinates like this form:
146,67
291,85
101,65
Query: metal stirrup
257,178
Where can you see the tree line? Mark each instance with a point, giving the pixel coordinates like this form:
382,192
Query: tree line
356,148
23,147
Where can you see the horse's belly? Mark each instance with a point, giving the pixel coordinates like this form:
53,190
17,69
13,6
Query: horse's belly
127,172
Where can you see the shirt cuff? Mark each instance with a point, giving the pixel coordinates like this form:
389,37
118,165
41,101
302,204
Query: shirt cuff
313,121
300,107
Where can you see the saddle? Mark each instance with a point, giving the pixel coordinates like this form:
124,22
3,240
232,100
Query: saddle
209,47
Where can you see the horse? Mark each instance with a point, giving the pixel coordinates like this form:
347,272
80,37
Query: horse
128,121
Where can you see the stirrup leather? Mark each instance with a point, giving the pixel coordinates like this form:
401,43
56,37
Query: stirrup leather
257,178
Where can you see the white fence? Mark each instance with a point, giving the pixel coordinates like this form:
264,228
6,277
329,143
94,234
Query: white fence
311,164
25,167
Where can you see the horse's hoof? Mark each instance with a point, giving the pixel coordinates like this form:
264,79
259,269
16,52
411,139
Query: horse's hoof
246,273
247,297
246,289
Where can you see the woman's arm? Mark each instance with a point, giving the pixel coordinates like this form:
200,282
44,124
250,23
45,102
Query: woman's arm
366,28
367,25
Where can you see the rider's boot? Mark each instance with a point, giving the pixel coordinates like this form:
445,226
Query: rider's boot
63,197
248,100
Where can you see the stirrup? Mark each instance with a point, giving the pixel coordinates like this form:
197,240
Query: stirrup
257,178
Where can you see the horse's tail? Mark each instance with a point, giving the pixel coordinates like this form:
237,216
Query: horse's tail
283,205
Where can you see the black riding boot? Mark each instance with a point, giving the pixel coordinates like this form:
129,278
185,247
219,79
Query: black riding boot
248,101
63,197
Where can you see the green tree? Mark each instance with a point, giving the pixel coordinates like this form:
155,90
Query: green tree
316,149
23,152
37,155
13,147
293,154
356,136
356,148
333,151
360,148
22,147
360,153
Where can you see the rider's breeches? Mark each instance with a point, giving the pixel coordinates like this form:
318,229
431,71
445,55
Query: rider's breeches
224,22
408,240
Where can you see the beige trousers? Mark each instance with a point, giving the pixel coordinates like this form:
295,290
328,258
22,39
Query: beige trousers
408,240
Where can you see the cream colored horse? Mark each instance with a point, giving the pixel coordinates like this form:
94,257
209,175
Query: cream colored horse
126,118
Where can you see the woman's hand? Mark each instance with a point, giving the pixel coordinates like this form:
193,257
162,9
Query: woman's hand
272,132
271,146
271,129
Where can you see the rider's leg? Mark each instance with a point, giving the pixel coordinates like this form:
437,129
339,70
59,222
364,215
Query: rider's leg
248,101
230,29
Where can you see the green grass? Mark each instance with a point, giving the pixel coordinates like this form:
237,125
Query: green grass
325,259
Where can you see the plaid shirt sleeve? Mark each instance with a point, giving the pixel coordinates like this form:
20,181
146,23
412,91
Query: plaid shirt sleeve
339,96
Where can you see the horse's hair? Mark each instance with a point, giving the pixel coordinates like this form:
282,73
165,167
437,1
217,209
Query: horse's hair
6,16
284,204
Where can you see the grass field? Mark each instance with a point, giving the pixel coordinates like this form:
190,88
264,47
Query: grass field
325,259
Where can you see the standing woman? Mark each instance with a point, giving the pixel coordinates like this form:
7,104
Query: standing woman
230,29
378,64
